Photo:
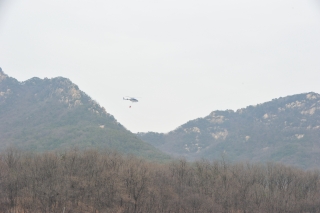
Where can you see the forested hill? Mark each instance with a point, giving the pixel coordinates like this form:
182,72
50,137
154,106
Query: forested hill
284,130
49,114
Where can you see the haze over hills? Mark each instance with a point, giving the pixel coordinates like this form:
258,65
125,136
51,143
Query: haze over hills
284,130
50,114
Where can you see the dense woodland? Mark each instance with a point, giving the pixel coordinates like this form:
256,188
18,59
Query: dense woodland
92,181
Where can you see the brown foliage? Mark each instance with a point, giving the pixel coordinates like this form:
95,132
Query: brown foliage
93,181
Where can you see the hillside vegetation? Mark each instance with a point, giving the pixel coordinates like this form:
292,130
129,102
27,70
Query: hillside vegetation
92,181
283,130
50,114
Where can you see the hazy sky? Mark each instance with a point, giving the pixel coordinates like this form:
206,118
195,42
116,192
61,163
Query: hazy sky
182,58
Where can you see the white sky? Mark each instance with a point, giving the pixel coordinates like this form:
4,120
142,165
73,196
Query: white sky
183,58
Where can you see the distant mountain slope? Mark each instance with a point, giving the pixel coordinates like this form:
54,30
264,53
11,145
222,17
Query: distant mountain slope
286,130
48,114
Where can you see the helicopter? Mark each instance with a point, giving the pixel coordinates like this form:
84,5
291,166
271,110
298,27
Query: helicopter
130,99
133,100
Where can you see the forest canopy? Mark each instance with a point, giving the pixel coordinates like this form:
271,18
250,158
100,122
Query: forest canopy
92,181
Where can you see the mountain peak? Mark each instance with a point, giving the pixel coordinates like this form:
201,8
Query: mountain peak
284,129
49,114
2,75
312,96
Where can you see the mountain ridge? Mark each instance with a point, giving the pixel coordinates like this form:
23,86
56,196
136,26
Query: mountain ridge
286,130
50,114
